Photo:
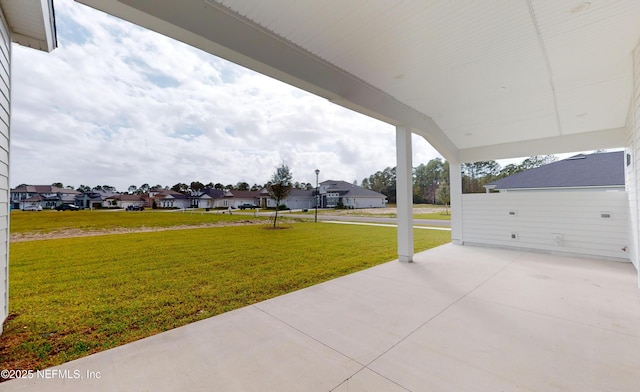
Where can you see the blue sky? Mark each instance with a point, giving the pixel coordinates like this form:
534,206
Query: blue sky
119,105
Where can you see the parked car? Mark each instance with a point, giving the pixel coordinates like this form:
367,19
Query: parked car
33,207
134,208
247,206
67,207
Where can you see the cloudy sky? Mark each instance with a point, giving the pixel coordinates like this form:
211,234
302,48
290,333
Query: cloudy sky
119,105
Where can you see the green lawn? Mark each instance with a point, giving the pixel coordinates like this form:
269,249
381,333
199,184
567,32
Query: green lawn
49,221
434,216
72,297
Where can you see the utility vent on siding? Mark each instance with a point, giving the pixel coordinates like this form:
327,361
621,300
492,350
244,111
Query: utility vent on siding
513,213
605,215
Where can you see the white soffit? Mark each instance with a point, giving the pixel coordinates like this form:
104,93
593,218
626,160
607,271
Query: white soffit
31,22
489,73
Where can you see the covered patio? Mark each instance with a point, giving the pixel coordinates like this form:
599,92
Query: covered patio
479,81
460,318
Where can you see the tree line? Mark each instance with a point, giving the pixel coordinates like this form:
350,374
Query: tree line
194,186
431,180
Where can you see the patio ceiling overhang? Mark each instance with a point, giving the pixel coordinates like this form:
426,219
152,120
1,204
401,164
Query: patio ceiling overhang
31,22
478,80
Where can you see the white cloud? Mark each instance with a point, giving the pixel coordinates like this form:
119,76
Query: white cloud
117,104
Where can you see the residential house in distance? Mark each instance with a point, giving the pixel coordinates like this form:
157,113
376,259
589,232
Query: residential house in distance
592,172
167,198
46,196
124,201
332,193
234,198
207,198
94,199
298,199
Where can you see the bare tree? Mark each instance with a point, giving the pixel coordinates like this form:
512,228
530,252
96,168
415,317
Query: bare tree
280,186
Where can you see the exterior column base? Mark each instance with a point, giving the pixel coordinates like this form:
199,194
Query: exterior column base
405,259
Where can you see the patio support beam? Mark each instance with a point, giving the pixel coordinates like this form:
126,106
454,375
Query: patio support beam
404,193
455,192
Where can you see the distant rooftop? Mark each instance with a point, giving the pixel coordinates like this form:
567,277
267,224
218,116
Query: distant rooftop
579,171
43,189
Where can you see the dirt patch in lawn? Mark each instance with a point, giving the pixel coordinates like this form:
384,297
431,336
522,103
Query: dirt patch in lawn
68,233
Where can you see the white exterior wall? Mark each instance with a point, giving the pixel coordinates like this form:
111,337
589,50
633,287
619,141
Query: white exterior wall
170,202
235,202
568,222
632,166
5,111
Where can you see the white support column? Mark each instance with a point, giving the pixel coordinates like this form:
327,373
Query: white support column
404,194
455,191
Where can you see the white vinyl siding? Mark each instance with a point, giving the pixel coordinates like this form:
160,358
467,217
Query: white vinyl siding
632,169
5,110
557,221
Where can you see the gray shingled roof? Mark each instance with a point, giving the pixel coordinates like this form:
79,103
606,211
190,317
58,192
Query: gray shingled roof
593,170
43,189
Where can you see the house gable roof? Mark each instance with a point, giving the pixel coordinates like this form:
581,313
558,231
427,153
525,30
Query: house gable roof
593,170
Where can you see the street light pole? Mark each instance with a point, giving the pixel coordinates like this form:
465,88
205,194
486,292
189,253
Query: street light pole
317,194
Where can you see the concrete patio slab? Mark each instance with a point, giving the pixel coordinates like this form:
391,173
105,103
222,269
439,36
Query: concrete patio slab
459,318
482,346
570,289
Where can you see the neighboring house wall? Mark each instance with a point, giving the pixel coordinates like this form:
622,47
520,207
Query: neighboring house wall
298,202
571,222
364,202
17,197
234,202
5,87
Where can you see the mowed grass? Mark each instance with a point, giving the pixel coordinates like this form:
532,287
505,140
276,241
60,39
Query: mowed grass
433,216
50,221
72,297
